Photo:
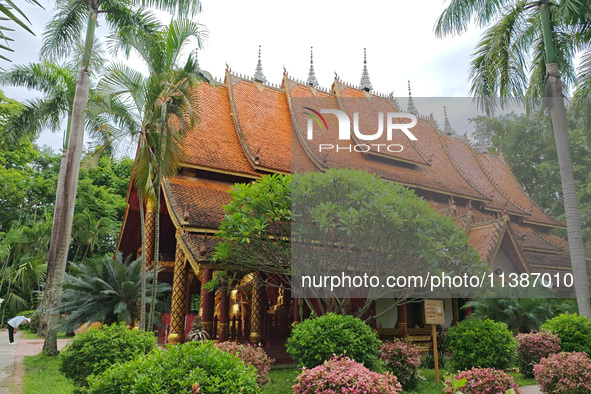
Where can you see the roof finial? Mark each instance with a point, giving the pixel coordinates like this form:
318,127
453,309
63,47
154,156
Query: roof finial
411,104
365,83
312,81
258,74
447,129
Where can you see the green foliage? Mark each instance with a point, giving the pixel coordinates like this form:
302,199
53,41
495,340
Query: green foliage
197,366
104,289
528,147
28,179
96,350
367,220
317,339
520,314
480,343
573,330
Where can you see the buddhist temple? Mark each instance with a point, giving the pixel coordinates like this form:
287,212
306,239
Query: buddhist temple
249,128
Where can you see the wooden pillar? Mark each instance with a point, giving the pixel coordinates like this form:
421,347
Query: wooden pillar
455,312
149,232
223,326
296,310
207,303
403,320
258,310
179,299
189,294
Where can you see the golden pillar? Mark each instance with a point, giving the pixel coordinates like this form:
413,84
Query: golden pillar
258,310
149,224
207,303
179,298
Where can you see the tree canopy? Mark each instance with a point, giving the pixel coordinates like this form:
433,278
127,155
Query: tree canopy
337,221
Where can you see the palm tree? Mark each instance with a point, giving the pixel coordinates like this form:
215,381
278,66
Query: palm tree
13,13
68,24
90,230
104,289
23,252
158,109
57,83
535,39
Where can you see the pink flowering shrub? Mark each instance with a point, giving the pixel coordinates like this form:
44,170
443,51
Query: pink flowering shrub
250,355
340,374
482,381
532,347
564,373
402,359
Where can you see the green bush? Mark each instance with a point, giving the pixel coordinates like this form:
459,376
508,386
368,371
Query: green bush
481,344
573,330
192,367
96,350
316,340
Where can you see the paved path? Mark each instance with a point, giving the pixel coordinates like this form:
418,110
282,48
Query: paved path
11,355
530,390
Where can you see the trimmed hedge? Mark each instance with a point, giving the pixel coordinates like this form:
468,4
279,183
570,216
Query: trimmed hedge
480,343
318,339
193,367
96,350
573,330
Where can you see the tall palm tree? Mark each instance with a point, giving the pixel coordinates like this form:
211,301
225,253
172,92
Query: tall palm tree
57,84
522,56
158,109
67,24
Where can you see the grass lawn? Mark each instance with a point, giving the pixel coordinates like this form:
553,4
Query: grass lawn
281,381
33,335
42,375
522,380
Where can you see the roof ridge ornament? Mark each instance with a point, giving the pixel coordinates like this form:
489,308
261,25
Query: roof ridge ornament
365,83
447,129
312,81
411,104
258,74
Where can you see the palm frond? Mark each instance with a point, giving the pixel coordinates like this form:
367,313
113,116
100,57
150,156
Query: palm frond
63,31
499,68
459,14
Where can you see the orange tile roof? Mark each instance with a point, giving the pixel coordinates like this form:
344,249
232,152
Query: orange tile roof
485,238
463,157
502,177
441,175
263,123
545,260
530,240
214,142
352,100
197,202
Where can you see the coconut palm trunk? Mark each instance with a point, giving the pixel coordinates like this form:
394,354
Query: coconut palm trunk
66,194
157,218
555,103
143,268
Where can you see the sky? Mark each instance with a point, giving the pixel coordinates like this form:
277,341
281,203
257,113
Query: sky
398,35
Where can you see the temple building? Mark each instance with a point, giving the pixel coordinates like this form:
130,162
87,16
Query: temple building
249,128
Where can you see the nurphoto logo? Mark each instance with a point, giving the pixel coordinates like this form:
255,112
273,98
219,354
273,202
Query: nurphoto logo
394,122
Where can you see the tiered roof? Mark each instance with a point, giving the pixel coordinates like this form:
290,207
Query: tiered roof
248,128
